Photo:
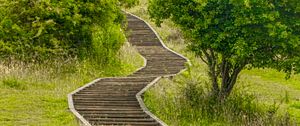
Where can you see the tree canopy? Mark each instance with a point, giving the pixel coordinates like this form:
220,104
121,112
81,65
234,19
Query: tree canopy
230,35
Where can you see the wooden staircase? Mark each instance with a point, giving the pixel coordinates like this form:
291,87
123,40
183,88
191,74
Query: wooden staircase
117,101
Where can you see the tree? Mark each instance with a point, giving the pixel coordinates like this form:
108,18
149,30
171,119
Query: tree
230,35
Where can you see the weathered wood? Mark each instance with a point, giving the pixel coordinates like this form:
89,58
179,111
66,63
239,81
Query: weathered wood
117,101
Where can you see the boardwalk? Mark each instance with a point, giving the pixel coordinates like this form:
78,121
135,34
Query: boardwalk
117,101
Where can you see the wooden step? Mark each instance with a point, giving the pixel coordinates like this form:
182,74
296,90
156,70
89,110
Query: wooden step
165,58
103,94
129,88
141,79
103,91
143,30
143,39
112,101
166,62
85,107
105,99
158,70
146,44
117,85
150,74
98,123
83,112
131,29
109,109
117,82
122,119
106,104
116,115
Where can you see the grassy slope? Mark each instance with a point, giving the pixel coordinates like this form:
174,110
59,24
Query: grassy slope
37,95
267,85
271,86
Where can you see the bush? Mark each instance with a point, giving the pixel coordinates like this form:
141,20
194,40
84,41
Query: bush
40,29
105,44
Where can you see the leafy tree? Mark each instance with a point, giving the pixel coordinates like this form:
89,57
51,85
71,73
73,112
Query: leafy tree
230,35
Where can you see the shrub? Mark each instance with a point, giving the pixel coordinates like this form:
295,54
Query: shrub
39,29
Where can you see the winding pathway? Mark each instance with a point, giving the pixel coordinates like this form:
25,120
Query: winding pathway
117,101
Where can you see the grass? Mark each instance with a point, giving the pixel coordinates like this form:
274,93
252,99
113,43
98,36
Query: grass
261,96
271,86
36,94
185,101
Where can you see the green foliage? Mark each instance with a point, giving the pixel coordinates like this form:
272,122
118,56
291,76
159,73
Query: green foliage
105,44
14,83
39,29
296,105
129,3
231,34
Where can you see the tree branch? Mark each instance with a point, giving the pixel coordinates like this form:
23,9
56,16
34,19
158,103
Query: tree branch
225,73
206,62
233,77
212,70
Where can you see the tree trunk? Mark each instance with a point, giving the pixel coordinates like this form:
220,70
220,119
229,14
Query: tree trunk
228,76
225,70
229,80
212,64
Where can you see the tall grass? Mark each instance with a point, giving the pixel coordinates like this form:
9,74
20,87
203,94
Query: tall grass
36,94
186,101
